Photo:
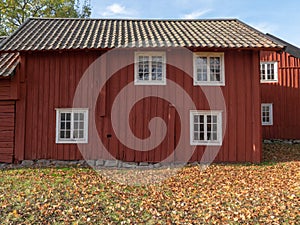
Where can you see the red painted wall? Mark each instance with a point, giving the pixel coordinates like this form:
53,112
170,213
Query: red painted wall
7,126
9,93
285,96
49,81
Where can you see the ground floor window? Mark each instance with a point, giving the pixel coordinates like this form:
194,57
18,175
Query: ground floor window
206,127
71,125
267,114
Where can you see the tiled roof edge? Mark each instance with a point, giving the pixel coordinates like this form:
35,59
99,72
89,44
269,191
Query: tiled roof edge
289,48
133,19
14,33
261,33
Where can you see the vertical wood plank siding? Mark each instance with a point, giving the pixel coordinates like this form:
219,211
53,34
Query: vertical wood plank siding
51,80
285,96
7,128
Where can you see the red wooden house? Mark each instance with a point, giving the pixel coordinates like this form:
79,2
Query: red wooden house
280,92
219,58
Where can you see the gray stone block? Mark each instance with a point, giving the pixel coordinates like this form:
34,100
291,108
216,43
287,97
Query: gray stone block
288,142
3,165
99,162
296,141
91,162
111,163
43,162
27,163
129,165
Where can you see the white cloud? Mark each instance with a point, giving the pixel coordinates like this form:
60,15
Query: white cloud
116,9
195,14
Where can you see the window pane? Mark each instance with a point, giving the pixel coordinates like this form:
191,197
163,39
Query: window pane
81,134
201,119
75,134
202,127
156,70
81,126
68,134
62,134
215,127
143,66
201,68
196,118
196,136
202,136
68,125
76,116
214,119
215,137
68,115
81,116
215,69
196,127
208,119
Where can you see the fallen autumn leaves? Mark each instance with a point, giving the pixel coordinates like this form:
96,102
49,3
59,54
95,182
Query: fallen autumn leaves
222,194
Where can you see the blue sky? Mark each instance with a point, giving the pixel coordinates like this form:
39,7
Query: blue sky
280,18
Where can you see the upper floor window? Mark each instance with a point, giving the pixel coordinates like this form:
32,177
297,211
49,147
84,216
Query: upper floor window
206,127
71,125
268,72
150,68
209,68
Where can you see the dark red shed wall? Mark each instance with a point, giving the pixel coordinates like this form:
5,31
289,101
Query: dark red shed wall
7,131
285,96
9,93
51,79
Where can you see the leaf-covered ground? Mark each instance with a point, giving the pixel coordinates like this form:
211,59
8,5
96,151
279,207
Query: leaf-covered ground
268,193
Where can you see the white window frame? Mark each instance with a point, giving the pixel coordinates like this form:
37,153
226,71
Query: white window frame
266,80
136,68
219,140
58,123
222,72
270,105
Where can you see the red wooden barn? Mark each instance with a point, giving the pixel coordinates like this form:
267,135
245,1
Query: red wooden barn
280,92
212,63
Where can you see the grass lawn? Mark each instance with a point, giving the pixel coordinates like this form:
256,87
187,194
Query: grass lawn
268,193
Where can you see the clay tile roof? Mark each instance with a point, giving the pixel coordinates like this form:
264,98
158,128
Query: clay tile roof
40,34
8,62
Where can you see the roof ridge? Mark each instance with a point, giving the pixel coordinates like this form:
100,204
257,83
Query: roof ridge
132,19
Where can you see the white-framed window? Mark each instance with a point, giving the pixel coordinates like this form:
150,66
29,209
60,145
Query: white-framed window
268,72
205,127
267,114
209,68
150,68
71,125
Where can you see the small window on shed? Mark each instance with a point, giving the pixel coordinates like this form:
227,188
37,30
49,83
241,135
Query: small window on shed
267,114
268,72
